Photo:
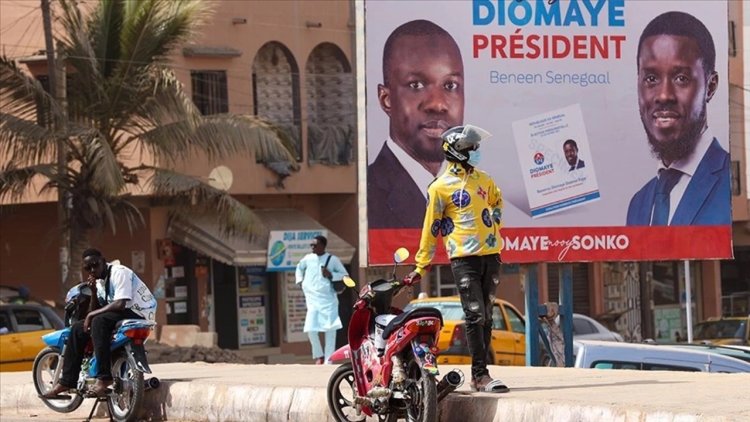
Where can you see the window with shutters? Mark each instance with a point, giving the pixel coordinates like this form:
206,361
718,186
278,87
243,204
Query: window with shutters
210,91
276,91
331,113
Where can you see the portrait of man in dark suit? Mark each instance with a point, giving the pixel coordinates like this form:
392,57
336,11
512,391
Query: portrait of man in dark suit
676,80
570,148
423,95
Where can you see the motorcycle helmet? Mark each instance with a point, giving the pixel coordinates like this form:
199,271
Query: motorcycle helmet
458,141
77,303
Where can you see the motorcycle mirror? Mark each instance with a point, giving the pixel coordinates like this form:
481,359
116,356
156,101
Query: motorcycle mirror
348,282
400,255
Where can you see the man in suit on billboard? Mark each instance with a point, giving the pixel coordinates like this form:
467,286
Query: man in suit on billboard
570,148
676,80
423,95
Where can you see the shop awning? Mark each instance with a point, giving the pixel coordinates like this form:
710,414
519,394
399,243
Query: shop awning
204,235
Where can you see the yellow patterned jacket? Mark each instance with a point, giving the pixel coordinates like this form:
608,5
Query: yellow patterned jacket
466,209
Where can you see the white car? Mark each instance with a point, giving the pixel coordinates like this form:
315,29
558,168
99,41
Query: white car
587,328
652,357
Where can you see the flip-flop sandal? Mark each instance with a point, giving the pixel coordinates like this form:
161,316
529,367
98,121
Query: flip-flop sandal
91,392
57,397
494,386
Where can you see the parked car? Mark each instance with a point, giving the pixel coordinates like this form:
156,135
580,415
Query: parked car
652,357
508,332
738,352
587,328
21,329
725,331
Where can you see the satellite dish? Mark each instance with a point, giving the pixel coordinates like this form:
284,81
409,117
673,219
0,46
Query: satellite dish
221,178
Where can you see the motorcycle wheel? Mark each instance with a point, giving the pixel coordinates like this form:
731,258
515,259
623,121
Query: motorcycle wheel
45,365
422,406
126,400
340,393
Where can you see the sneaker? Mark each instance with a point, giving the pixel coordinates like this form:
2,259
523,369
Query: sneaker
319,361
486,384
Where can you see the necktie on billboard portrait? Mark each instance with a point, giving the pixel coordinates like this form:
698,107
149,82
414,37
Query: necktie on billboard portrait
667,179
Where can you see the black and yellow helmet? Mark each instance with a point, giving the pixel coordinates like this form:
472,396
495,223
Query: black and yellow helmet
459,140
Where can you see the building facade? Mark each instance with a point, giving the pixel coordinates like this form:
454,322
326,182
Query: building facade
289,62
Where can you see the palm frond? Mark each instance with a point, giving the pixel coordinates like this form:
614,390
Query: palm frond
151,29
20,93
220,136
25,141
16,180
100,211
102,167
105,28
190,196
87,97
164,103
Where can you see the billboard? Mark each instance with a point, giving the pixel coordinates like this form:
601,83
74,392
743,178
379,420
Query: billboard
609,120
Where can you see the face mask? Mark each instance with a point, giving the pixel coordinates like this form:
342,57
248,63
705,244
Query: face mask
474,157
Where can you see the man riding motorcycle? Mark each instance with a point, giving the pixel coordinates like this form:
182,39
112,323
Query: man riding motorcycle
120,295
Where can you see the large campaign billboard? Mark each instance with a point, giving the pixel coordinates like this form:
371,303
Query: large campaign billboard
609,121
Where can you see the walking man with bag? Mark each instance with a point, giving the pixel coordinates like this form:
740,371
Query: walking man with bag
317,272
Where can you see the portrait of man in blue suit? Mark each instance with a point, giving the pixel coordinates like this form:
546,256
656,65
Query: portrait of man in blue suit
570,149
676,80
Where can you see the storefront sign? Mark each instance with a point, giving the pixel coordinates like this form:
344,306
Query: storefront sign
252,318
295,309
287,248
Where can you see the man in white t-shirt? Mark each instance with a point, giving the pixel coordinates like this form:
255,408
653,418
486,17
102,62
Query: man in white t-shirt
120,295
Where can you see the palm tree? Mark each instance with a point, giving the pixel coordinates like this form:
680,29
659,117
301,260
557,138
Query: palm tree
122,98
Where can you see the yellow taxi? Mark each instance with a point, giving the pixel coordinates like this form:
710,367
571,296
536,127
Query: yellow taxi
508,332
21,329
723,331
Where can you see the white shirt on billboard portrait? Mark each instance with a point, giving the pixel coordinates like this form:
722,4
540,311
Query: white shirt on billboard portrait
416,171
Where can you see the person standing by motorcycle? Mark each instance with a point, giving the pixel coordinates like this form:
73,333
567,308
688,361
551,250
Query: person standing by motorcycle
317,271
120,294
465,207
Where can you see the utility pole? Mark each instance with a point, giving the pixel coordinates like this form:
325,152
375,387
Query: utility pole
50,48
56,80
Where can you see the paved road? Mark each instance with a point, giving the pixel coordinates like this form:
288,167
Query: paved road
200,391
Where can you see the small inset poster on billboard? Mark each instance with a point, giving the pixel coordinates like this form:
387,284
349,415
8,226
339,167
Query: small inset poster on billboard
555,159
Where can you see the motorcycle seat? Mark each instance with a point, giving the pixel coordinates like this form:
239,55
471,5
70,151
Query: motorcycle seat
123,321
410,314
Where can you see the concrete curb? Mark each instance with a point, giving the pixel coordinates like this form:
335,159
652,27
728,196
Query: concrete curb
205,401
486,407
202,401
232,392
198,401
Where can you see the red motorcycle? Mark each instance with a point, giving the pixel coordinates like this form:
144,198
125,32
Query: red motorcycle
390,367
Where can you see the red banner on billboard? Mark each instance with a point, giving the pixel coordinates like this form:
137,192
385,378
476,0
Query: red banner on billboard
579,244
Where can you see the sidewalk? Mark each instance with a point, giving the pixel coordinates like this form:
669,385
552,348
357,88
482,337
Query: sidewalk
230,392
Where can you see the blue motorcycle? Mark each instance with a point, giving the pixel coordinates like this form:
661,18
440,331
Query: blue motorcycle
129,363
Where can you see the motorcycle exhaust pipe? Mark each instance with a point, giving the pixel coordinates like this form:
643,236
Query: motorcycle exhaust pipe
152,383
449,383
